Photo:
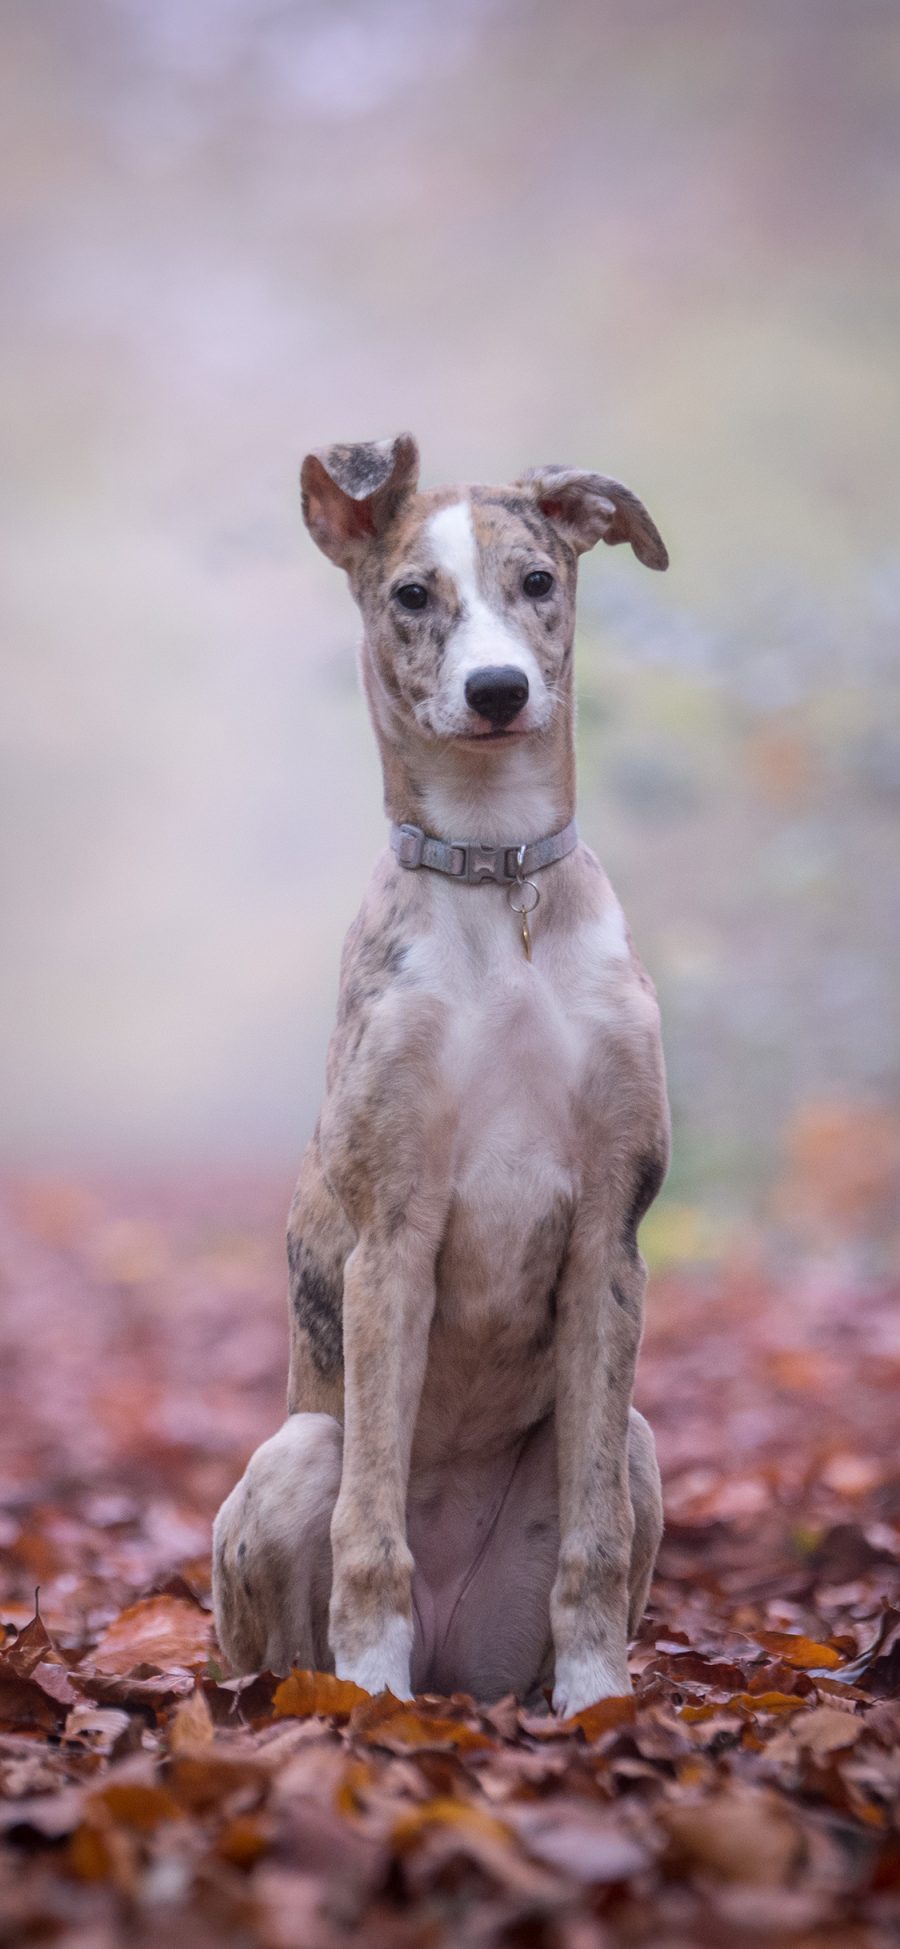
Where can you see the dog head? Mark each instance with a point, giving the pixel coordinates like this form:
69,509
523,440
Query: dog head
467,594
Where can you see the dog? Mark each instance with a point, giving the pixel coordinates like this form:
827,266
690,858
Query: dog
462,1497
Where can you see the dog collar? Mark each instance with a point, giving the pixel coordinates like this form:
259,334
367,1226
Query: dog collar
469,860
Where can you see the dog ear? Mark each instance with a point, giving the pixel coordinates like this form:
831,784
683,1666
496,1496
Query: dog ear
350,494
590,507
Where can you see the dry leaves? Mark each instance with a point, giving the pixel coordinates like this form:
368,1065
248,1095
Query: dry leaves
163,1631
748,1793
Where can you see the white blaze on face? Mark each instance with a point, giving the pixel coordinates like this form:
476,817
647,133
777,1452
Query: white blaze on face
483,635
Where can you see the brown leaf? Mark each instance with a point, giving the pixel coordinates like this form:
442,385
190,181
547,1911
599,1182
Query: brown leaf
743,1834
28,1649
446,1812
827,1729
779,1703
154,1691
243,1840
101,1852
582,1841
878,1670
597,1719
434,1840
102,1729
42,1699
90,1856
191,1724
136,1804
305,1695
241,1701
688,1667
386,1721
804,1654
161,1631
206,1777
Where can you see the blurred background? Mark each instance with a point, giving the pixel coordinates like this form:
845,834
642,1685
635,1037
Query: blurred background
661,240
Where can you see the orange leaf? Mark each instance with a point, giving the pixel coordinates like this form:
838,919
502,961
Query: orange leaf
88,1854
134,1804
161,1631
203,1777
597,1719
743,1702
402,1728
803,1654
741,1834
443,1811
357,1776
191,1723
308,1695
243,1840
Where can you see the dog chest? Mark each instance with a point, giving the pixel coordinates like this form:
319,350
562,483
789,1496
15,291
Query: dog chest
512,1070
511,1075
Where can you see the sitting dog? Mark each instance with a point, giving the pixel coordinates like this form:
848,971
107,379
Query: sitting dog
462,1497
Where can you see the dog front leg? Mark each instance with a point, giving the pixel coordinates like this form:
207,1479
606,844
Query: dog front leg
388,1304
598,1336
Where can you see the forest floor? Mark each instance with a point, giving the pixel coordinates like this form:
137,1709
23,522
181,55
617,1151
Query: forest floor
748,1794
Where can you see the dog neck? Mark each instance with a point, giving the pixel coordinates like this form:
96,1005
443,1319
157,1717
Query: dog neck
515,792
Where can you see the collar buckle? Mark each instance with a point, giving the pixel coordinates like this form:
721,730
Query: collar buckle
410,846
485,863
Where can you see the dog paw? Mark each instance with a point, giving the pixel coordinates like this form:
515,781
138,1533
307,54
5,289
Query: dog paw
384,1665
581,1682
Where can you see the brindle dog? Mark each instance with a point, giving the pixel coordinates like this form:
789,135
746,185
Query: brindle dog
462,1496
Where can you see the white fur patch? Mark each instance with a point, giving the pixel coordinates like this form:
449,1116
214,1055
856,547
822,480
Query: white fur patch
580,1682
607,938
516,798
384,1667
483,635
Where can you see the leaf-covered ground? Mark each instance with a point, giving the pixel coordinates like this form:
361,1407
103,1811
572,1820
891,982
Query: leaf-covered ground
748,1795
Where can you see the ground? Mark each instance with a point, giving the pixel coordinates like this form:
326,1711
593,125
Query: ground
748,1795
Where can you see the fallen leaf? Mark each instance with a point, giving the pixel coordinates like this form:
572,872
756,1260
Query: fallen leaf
161,1631
152,1689
192,1723
102,1729
303,1695
445,1812
208,1777
243,1839
805,1654
41,1700
137,1804
29,1648
826,1729
742,1834
582,1841
597,1719
90,1855
386,1721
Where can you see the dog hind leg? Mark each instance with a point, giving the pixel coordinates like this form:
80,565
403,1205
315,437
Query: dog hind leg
272,1550
646,1501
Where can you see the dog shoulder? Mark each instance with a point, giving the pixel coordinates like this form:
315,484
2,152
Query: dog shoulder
383,1104
588,914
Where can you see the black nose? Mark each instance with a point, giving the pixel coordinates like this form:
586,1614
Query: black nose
497,693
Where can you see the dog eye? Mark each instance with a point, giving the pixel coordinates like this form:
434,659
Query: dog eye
411,595
538,582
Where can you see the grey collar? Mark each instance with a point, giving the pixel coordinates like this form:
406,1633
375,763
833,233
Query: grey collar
469,860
